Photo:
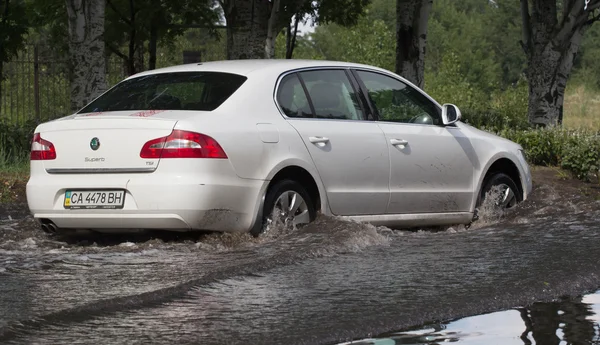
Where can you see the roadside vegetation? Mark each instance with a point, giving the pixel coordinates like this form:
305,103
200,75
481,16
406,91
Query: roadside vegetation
14,159
14,172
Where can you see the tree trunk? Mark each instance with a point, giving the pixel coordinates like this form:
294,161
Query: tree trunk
412,17
247,28
86,50
548,72
152,47
132,40
291,38
551,45
272,31
139,64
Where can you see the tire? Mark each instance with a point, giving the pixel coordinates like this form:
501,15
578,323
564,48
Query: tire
503,181
276,196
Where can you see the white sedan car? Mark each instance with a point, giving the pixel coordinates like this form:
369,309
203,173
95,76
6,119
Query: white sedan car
234,145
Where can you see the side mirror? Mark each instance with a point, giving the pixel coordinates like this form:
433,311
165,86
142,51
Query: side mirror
450,114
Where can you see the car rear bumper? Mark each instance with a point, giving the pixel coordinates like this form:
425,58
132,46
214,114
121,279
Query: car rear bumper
216,200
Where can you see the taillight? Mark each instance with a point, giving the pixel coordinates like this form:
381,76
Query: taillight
42,149
183,144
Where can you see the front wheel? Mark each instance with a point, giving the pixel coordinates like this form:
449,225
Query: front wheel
503,189
287,203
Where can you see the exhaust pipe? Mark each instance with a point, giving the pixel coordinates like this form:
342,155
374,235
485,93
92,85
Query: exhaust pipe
49,227
45,228
52,228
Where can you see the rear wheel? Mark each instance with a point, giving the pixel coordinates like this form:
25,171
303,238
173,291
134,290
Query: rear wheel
286,203
503,189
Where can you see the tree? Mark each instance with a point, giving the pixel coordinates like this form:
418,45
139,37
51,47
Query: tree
48,26
13,27
137,24
412,17
383,10
587,64
468,29
86,50
291,37
552,36
247,28
253,26
370,42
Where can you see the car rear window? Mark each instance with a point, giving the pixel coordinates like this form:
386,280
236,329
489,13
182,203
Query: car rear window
169,91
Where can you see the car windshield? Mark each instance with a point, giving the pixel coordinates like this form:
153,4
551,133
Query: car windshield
169,91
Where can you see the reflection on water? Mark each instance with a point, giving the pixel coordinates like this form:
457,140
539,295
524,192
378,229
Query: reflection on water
567,321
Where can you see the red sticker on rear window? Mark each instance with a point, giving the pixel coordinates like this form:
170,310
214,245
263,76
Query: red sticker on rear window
147,113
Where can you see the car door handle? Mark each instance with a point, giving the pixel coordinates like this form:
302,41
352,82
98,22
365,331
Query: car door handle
398,142
318,140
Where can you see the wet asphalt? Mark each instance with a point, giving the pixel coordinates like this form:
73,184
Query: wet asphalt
330,282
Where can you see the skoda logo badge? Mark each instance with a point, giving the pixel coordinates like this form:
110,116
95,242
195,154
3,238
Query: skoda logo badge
95,143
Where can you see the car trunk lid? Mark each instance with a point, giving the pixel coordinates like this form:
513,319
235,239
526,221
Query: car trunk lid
106,142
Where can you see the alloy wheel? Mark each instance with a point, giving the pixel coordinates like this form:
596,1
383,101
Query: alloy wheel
290,209
507,197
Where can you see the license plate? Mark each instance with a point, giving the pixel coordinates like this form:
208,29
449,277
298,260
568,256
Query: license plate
93,199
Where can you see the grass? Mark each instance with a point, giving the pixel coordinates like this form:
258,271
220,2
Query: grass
582,108
14,173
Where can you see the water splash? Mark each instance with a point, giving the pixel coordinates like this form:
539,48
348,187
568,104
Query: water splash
489,212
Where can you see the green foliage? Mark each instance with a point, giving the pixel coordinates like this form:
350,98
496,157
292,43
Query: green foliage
367,42
543,146
586,69
342,12
211,46
18,165
383,10
581,155
15,141
130,25
466,29
462,30
506,109
450,85
575,151
13,27
48,21
498,110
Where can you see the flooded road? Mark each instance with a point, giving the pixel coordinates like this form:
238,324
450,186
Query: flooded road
565,321
330,282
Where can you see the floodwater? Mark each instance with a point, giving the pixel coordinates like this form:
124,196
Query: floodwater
569,320
330,282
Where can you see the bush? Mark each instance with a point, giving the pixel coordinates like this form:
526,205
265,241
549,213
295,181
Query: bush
575,151
581,155
505,109
15,140
543,146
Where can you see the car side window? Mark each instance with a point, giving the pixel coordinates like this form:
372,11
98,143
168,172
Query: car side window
332,95
292,98
397,102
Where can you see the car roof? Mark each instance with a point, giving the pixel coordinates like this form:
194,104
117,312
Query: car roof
246,67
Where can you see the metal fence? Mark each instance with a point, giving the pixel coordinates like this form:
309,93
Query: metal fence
36,85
